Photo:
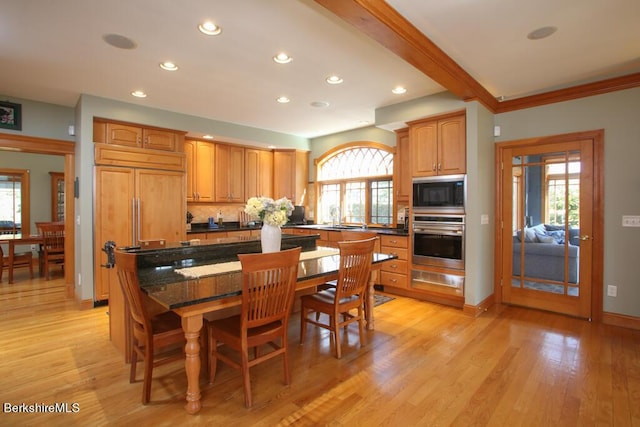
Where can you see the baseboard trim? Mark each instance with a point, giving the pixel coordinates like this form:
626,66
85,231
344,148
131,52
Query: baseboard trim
623,320
85,304
477,310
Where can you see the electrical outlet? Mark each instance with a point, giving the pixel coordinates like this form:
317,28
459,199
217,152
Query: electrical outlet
33,247
612,291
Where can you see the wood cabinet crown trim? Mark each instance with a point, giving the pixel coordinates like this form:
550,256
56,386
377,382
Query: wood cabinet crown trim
112,155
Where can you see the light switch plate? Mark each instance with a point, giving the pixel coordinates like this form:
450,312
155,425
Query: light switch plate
630,221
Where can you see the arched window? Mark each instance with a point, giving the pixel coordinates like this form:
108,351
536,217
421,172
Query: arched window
355,184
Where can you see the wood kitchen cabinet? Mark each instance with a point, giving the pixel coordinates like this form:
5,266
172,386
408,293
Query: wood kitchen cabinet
200,157
291,173
402,166
438,146
258,177
134,135
394,273
132,205
229,174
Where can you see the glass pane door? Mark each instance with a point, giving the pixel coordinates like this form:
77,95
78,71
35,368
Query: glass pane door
542,258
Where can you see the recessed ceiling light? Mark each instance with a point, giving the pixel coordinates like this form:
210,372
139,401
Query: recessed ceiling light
282,58
320,104
283,100
209,28
334,80
139,94
121,42
541,33
169,66
207,136
399,90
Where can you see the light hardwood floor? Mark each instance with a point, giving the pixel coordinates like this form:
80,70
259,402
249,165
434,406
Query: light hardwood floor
424,365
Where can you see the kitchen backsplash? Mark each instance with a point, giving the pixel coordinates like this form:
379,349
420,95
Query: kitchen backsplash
201,213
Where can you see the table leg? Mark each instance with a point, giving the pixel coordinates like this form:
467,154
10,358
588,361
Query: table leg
192,326
10,260
371,300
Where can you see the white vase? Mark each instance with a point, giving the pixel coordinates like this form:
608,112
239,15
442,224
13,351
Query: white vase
270,237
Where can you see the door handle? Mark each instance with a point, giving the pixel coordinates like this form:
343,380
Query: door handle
585,237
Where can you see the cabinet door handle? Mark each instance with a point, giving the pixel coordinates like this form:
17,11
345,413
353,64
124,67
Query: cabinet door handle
133,221
439,166
433,167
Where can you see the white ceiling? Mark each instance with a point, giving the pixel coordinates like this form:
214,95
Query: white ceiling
52,51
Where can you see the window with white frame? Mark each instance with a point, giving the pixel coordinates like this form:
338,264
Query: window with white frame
355,186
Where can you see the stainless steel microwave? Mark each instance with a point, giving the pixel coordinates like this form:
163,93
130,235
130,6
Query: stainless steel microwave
440,193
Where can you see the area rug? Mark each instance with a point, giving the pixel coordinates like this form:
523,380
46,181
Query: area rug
381,299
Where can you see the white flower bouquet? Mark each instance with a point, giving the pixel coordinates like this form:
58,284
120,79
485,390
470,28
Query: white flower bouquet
272,212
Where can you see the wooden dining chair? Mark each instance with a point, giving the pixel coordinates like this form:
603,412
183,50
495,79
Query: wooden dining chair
23,259
156,340
52,246
347,235
348,294
268,285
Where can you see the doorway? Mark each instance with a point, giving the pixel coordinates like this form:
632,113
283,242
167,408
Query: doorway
549,246
29,144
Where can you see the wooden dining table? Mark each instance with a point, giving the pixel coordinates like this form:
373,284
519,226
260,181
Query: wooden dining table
14,240
219,286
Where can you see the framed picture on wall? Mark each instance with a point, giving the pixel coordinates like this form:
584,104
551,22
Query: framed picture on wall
10,115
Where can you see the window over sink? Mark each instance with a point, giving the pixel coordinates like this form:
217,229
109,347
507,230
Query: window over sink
355,185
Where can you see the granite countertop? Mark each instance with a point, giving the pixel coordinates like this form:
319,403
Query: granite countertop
178,291
204,228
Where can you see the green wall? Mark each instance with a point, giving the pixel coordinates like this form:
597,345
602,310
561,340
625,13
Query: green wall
618,114
615,112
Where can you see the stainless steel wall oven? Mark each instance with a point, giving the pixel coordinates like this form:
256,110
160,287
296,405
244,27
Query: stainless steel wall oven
438,239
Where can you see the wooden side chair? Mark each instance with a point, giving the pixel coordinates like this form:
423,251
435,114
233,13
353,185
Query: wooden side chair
268,286
23,259
348,294
53,245
156,340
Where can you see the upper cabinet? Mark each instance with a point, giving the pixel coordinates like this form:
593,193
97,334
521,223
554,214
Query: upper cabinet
258,176
133,135
200,157
402,166
291,173
229,174
438,146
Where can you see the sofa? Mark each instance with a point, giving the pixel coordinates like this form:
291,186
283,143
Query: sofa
544,249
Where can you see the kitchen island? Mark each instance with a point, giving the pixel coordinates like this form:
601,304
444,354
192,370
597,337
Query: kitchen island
162,278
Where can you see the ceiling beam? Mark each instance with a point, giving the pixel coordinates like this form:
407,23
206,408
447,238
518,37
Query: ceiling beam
385,25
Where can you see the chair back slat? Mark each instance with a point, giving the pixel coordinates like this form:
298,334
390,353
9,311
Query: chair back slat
268,287
355,267
53,236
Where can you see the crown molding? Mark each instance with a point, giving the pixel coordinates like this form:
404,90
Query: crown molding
574,92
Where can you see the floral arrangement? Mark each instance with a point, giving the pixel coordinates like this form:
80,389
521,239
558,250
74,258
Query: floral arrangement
272,212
